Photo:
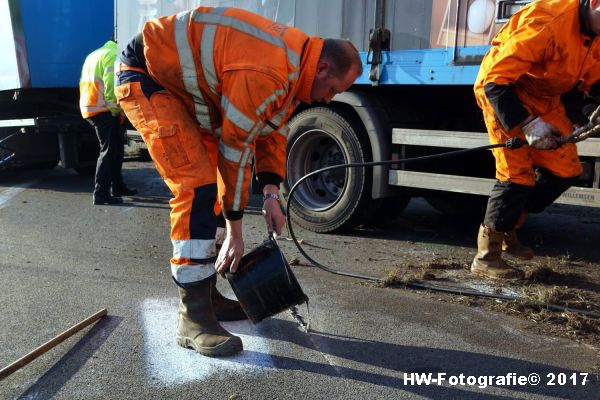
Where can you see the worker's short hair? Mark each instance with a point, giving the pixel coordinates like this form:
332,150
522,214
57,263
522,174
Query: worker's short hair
342,55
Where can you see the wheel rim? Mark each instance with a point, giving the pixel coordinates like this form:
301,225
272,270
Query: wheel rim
313,150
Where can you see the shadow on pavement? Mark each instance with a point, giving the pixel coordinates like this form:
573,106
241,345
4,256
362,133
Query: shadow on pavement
412,359
65,368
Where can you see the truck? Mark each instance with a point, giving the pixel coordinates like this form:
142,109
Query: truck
43,45
414,98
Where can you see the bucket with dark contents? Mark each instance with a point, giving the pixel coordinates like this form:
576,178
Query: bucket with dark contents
264,282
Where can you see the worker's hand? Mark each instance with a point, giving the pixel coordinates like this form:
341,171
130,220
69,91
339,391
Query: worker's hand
541,135
232,250
272,212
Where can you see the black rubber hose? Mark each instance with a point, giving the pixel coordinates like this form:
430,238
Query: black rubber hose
513,143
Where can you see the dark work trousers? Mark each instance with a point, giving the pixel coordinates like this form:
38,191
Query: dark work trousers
110,159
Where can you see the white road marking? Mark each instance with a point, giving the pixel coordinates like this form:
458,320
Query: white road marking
169,364
11,192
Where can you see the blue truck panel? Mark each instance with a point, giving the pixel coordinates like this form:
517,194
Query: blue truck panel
426,66
59,34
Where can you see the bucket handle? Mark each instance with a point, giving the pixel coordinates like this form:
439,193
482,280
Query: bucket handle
276,246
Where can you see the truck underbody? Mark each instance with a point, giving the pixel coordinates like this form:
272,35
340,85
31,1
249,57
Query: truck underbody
43,127
389,123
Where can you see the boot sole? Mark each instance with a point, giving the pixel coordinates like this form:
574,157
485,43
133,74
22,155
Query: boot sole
478,272
229,347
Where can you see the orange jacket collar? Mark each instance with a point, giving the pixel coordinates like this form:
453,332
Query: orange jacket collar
308,68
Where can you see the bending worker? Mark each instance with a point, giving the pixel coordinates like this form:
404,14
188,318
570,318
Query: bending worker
545,50
208,89
99,107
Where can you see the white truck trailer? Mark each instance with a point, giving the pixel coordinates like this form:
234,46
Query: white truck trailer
415,98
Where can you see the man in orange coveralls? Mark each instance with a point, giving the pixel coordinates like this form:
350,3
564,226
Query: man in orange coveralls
545,50
208,89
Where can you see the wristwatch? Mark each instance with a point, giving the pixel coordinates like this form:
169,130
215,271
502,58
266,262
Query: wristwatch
274,196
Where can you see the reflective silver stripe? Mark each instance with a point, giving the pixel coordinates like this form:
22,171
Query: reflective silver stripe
246,157
237,199
109,68
188,69
194,248
231,154
263,106
192,273
93,108
283,130
100,102
236,116
278,119
207,51
242,26
292,76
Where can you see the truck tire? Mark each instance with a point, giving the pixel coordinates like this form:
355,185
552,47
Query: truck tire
332,201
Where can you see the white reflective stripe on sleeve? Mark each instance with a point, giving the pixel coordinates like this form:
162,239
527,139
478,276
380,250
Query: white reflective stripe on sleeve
236,116
240,182
284,130
231,154
292,76
194,248
242,26
263,106
192,273
100,102
188,69
110,68
93,108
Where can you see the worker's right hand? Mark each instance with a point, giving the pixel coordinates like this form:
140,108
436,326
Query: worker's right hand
232,249
541,135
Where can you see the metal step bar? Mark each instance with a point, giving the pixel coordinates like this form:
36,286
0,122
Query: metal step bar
480,186
468,140
463,184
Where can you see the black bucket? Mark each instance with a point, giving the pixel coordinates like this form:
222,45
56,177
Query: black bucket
264,283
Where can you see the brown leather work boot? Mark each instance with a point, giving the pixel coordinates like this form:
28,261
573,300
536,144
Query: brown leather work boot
225,309
488,262
198,327
513,246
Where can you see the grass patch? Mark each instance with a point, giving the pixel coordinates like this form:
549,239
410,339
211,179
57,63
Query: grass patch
399,277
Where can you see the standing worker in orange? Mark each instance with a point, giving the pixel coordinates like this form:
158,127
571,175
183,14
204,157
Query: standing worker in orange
545,50
209,89
99,107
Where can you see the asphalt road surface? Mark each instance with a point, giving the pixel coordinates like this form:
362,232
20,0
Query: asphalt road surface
63,259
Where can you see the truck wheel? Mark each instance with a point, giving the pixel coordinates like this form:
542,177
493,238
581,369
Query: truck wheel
331,201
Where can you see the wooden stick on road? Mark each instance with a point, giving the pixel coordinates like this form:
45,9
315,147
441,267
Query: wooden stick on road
26,359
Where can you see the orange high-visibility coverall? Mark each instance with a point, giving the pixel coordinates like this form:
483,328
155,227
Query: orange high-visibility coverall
543,51
230,80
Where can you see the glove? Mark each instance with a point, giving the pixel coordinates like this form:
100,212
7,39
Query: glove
541,135
591,129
